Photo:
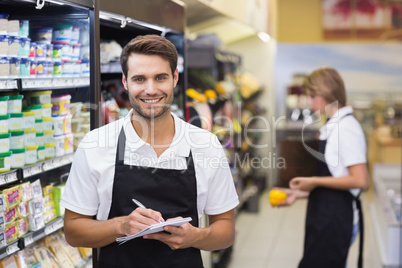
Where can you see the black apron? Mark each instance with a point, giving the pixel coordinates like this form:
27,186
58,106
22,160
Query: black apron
171,192
329,224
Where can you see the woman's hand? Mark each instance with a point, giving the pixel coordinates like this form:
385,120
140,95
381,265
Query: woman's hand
303,183
292,196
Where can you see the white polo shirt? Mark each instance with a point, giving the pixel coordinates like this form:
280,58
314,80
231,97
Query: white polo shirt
89,186
346,143
346,146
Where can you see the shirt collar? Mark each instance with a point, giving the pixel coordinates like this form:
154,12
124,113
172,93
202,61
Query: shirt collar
327,129
179,146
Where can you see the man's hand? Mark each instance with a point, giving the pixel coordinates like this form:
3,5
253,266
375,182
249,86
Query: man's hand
180,237
139,219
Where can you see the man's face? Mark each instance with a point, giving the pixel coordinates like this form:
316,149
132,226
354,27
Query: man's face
150,85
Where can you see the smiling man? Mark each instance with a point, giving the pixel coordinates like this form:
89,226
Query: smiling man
156,158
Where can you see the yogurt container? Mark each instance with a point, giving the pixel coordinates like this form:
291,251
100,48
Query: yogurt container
4,123
14,103
3,105
62,34
41,153
29,137
48,136
41,51
24,28
49,51
58,125
69,143
47,109
37,109
28,120
75,34
4,142
39,97
13,46
3,45
50,65
25,67
39,125
47,123
41,68
40,138
68,67
3,22
57,68
85,67
13,27
17,158
57,52
49,150
5,161
67,123
61,104
33,70
17,139
32,50
59,145
25,45
15,64
15,122
31,154
4,67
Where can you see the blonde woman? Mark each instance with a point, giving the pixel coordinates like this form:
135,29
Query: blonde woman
334,215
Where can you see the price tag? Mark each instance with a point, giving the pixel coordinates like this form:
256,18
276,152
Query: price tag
2,180
12,249
36,169
28,240
48,165
58,224
26,172
3,84
11,84
10,177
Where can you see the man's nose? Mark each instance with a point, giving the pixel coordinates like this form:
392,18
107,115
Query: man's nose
151,88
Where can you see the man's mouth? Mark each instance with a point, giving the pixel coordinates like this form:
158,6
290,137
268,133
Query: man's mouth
151,100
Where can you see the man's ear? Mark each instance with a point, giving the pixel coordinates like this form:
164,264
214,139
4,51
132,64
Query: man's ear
124,82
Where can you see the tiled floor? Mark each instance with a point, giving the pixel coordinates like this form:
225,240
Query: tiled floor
273,237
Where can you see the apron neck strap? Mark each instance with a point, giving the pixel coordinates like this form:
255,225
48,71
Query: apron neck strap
121,144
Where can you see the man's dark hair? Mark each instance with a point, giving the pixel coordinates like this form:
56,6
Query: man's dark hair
149,45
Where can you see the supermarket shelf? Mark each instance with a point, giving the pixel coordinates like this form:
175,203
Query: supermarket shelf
31,238
45,83
35,169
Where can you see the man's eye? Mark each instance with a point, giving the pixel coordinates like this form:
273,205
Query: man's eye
139,79
161,77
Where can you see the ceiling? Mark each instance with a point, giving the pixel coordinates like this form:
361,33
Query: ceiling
202,19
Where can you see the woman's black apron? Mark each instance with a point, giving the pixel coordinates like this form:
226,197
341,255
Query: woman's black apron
329,224
171,192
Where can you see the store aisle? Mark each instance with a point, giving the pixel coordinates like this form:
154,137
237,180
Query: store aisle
273,237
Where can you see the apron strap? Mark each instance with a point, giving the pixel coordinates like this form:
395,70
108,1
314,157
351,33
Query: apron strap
121,144
361,227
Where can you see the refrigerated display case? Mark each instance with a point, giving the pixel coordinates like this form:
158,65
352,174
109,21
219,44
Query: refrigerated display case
385,211
42,66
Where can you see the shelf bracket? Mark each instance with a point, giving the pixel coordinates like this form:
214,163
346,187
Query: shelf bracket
40,4
123,23
164,31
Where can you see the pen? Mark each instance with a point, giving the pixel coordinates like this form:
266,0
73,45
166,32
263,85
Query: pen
138,203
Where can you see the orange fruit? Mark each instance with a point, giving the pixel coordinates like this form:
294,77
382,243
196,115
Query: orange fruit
276,197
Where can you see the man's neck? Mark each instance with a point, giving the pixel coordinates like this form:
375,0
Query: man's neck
157,132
